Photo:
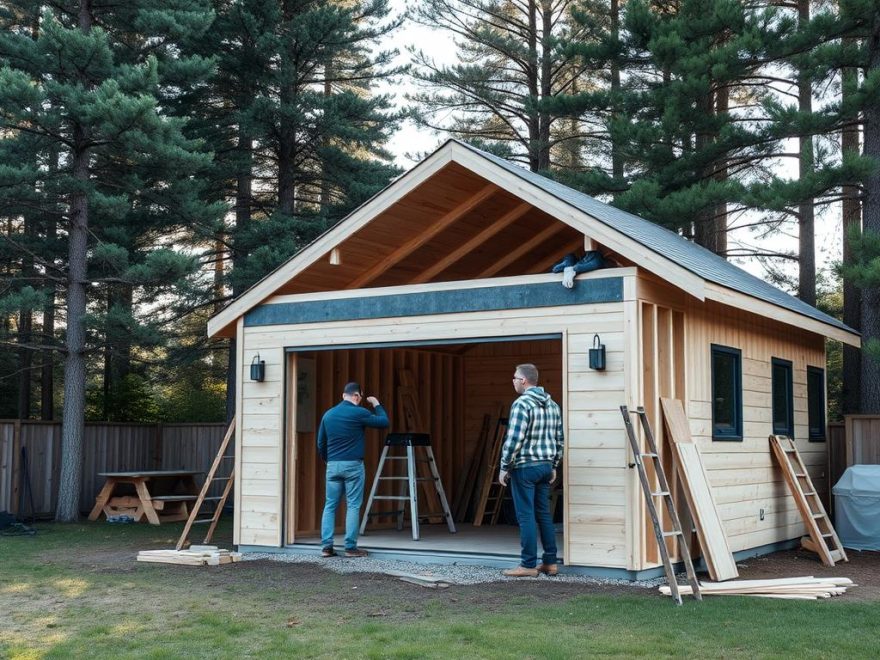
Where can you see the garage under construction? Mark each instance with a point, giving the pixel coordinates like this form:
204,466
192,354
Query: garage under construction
433,291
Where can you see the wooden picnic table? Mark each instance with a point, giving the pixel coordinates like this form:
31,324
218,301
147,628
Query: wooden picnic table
160,495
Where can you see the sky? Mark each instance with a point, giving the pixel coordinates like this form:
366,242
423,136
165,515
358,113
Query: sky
410,140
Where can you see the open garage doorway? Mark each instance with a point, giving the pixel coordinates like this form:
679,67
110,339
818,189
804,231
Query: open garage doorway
461,395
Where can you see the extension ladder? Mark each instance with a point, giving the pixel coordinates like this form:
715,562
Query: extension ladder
409,483
823,539
664,492
219,501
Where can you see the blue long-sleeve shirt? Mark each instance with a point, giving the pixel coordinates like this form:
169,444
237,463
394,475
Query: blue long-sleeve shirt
341,434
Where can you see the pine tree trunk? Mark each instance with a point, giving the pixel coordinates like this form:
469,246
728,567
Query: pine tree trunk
47,364
287,131
75,363
870,372
544,120
719,222
806,212
704,225
533,121
852,295
25,333
616,156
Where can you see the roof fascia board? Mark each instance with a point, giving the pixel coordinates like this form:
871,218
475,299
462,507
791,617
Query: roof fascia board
590,226
323,244
457,285
746,302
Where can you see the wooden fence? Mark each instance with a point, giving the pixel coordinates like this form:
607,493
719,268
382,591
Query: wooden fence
107,447
855,441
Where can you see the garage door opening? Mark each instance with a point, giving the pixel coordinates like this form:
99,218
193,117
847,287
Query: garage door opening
461,393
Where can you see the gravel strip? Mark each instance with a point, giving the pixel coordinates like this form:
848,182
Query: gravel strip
453,573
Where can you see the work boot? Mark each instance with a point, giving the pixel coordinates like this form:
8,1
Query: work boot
356,552
548,569
521,571
328,551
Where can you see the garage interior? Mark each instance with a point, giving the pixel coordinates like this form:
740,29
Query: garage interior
461,392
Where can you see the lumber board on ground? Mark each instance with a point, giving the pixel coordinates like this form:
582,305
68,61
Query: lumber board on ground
698,492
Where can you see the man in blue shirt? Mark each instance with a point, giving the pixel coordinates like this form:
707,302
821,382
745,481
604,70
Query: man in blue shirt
341,445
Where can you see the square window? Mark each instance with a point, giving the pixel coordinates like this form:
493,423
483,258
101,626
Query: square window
783,398
726,393
816,403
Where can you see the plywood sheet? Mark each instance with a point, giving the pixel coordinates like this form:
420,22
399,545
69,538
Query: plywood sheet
710,530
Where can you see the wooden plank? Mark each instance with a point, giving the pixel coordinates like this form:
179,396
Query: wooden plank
698,492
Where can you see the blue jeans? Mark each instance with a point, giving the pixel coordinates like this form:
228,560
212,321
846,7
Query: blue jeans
347,477
530,487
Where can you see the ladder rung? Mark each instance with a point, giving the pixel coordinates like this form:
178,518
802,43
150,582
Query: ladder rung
395,458
810,493
393,478
221,478
201,521
651,454
390,497
226,458
660,493
800,474
828,535
672,533
818,515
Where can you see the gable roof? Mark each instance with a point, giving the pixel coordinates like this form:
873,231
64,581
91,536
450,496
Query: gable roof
683,263
695,258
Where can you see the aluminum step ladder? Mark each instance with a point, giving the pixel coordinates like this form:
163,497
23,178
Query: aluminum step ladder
221,461
408,492
823,539
639,457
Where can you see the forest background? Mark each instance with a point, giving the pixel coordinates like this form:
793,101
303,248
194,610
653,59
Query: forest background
157,157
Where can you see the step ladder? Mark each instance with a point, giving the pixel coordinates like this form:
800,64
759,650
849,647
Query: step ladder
408,491
222,461
639,457
823,539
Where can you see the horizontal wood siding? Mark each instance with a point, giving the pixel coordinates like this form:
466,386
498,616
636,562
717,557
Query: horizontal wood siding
743,474
596,455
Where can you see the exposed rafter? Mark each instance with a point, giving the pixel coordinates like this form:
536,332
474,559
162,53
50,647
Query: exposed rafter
524,249
415,243
543,265
501,223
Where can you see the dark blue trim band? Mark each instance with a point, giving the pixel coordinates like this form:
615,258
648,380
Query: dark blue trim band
522,296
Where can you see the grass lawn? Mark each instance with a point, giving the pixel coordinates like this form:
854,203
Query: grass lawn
76,591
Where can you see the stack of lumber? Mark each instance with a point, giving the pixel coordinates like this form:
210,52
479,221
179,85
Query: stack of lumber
796,588
196,555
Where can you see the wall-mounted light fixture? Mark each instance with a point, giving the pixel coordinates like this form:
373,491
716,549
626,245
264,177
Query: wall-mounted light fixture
597,354
258,369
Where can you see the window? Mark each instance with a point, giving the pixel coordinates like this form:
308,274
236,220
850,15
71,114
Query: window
726,393
816,403
783,398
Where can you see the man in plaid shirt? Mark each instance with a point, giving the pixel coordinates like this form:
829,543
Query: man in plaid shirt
530,456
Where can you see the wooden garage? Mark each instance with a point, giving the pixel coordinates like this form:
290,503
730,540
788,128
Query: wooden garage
440,285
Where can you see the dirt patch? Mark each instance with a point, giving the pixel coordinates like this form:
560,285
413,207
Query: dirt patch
364,591
863,568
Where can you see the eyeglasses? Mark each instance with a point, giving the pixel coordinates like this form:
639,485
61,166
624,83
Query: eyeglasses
518,378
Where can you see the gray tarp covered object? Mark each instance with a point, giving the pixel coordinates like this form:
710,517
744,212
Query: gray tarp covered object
857,507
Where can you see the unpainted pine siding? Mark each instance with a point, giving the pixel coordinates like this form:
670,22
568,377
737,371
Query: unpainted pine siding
596,460
743,474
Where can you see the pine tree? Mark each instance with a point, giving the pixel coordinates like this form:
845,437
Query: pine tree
512,66
86,84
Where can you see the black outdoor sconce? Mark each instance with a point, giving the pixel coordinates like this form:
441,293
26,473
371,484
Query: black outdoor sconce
597,355
258,369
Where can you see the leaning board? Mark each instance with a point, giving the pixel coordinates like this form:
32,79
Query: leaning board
710,531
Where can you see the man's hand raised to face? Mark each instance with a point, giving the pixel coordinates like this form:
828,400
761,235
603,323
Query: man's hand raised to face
373,401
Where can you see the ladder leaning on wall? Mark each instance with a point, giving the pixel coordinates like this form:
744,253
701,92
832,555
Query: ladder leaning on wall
221,460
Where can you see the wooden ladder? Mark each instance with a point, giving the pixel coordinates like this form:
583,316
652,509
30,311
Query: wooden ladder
823,539
490,491
219,500
664,492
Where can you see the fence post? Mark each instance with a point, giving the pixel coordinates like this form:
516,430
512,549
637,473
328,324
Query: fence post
158,442
16,466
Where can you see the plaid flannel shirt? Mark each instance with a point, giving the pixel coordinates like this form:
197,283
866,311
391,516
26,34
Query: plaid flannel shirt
534,431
